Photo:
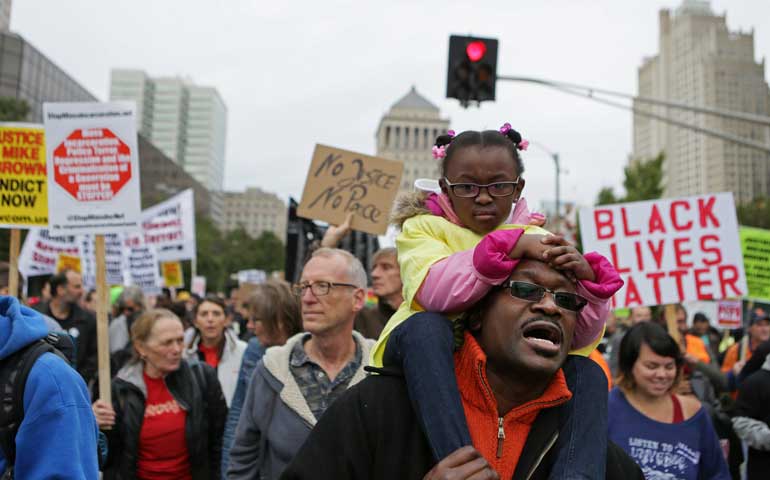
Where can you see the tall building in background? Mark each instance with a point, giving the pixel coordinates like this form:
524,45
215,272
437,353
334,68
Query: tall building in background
186,122
702,63
27,74
5,15
407,133
256,211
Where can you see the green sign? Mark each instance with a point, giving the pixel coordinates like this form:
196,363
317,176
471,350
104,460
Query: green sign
755,244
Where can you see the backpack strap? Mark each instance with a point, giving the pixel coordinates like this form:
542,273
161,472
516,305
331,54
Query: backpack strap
14,371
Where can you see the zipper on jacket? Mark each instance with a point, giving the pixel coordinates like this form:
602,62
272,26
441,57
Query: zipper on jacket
500,437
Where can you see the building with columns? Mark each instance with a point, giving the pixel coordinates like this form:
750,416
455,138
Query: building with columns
256,211
407,133
701,62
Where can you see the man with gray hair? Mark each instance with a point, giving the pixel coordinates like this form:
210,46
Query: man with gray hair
129,305
295,383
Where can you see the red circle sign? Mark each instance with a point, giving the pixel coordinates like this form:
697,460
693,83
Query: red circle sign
92,164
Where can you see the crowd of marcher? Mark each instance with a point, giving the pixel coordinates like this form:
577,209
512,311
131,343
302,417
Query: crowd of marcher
489,353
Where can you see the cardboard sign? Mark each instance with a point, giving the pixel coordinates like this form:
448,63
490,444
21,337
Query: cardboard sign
198,286
67,262
172,274
669,251
170,227
755,244
93,167
730,314
340,182
23,181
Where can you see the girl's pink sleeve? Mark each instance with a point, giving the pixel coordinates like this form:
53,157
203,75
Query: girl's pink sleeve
593,316
461,279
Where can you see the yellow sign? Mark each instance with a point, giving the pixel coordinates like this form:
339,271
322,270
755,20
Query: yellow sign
23,180
67,262
172,274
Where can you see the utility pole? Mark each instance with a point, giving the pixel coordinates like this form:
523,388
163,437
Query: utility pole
555,156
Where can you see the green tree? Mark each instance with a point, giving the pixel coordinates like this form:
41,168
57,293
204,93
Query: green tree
606,196
755,213
210,246
643,180
270,252
13,109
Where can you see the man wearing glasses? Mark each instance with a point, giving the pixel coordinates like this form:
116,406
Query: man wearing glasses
295,383
509,372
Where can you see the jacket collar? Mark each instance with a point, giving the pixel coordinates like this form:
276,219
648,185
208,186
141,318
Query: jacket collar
766,365
132,373
276,362
471,372
229,347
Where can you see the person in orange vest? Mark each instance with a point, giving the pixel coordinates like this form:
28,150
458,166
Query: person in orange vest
737,355
691,345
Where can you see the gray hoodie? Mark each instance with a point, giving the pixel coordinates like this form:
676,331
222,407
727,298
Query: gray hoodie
276,419
754,432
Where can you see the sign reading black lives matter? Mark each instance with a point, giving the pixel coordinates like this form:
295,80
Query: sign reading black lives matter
93,167
341,182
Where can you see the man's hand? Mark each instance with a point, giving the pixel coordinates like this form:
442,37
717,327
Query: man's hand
691,359
465,463
738,367
564,256
335,234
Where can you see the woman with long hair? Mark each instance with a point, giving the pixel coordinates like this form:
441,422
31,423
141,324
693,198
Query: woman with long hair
168,413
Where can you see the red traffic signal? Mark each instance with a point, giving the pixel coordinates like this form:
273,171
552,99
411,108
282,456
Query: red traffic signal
472,69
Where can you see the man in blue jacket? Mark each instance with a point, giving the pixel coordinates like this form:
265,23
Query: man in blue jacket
58,435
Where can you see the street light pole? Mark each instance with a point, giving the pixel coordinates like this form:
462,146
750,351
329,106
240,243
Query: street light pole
555,157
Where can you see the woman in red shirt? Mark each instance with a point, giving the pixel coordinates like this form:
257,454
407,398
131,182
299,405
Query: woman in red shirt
167,414
216,344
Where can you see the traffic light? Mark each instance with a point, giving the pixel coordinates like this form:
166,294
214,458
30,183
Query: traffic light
472,69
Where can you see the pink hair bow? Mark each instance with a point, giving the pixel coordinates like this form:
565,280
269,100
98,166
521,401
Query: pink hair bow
505,128
439,152
524,144
451,133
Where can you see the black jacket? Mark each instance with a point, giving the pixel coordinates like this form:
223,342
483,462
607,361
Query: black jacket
196,388
371,432
81,325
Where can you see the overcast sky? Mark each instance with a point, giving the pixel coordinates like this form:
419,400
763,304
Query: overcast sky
298,73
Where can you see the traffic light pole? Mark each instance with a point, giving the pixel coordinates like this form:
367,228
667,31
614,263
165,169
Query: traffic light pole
589,92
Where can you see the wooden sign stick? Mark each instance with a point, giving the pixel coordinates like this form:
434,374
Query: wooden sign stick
13,256
670,316
102,325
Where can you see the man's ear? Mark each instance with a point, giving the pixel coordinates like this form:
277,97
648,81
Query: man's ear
359,299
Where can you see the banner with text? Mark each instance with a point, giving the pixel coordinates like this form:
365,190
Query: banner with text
93,167
40,252
170,227
141,263
755,243
23,184
669,251
341,182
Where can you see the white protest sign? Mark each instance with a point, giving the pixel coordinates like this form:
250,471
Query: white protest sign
199,285
170,227
253,276
41,250
93,167
669,251
113,248
141,264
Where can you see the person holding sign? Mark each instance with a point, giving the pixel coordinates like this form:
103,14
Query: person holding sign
456,246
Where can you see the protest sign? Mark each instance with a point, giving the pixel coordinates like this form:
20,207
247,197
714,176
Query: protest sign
172,274
93,167
67,262
252,276
341,182
755,244
113,261
142,265
170,227
41,251
669,251
198,286
23,183
729,314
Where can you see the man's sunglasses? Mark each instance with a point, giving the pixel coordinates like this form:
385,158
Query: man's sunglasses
534,293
